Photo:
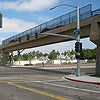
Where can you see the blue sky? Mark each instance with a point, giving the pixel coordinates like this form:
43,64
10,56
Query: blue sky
20,15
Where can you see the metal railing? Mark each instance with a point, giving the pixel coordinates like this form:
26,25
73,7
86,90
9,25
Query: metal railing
85,12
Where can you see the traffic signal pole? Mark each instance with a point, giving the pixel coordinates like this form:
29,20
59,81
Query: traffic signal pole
78,40
77,34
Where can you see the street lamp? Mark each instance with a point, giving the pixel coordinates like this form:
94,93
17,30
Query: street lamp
77,35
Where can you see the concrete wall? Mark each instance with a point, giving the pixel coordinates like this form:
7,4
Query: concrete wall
15,63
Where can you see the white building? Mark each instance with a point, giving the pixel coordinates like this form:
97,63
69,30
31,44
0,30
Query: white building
59,61
33,61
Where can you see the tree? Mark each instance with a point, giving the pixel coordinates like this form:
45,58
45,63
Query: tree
34,54
72,52
53,55
88,54
24,57
65,53
15,58
45,55
30,57
38,54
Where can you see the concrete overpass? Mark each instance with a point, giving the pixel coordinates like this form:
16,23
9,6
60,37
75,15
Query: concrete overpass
65,24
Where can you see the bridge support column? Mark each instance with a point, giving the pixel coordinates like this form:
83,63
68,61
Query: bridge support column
95,38
11,59
98,60
5,59
19,56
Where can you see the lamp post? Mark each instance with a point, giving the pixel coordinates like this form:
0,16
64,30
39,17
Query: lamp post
78,31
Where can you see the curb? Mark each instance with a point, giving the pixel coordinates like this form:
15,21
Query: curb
97,83
54,71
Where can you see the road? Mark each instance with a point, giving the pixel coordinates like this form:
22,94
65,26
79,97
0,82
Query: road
32,84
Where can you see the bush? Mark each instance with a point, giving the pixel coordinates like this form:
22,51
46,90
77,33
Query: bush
28,64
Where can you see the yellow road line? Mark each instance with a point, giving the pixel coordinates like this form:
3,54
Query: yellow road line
38,91
12,80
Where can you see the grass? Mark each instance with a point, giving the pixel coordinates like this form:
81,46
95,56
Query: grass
95,75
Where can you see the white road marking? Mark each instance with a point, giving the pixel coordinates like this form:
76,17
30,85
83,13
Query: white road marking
74,88
38,81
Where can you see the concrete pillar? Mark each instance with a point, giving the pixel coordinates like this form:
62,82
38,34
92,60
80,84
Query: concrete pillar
11,59
5,58
19,57
98,60
95,38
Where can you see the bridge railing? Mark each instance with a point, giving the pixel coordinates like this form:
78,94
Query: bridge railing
95,12
85,12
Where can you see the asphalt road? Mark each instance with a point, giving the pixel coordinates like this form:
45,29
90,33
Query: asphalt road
32,84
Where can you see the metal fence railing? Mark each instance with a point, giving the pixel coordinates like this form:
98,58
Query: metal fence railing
85,12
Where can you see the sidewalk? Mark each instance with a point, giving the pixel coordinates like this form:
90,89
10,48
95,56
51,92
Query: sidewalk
84,79
67,67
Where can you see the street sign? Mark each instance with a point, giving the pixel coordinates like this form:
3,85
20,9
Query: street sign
76,32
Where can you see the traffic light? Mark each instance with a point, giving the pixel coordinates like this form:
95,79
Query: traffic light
36,35
28,37
78,47
19,39
77,56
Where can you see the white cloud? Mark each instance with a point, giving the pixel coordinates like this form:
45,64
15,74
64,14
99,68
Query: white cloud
15,25
44,18
27,5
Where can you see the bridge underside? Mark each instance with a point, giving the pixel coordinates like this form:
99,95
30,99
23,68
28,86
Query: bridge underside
45,40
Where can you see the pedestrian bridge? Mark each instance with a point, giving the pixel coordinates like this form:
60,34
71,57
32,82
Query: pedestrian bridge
64,24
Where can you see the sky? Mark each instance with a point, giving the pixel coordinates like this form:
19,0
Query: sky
20,15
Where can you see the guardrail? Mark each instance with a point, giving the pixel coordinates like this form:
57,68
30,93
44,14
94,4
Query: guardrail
85,12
